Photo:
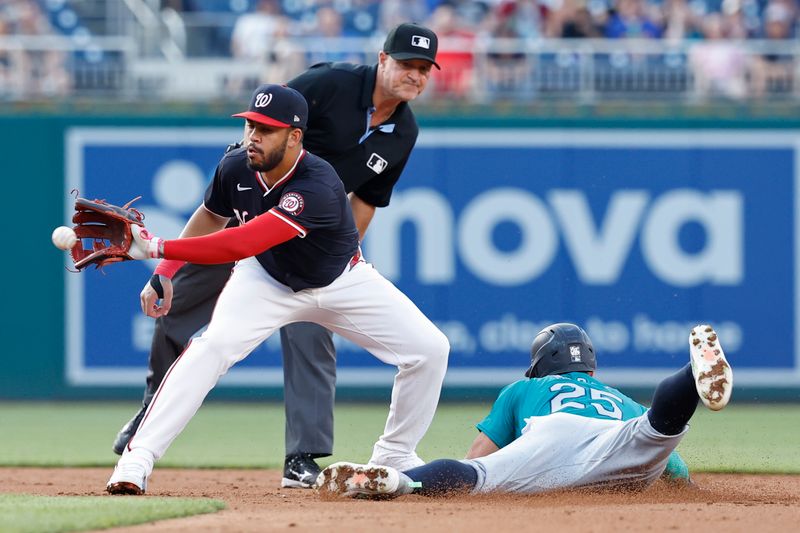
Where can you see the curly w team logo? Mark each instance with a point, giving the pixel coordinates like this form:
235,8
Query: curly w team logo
292,203
263,100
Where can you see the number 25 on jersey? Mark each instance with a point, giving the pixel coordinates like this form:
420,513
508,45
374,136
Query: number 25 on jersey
574,396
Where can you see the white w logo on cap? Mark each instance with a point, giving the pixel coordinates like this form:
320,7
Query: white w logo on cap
263,100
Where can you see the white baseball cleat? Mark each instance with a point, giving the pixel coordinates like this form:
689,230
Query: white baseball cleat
128,478
350,480
713,376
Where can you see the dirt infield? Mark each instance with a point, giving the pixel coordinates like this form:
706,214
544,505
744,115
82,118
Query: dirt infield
726,503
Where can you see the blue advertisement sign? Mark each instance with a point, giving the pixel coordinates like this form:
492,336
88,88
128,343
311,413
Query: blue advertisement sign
636,235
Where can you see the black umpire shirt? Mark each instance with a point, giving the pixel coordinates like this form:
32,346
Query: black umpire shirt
369,161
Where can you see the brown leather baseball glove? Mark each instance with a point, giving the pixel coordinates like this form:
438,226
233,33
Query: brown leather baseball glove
107,229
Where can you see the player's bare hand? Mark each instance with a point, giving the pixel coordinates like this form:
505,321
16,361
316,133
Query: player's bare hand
152,305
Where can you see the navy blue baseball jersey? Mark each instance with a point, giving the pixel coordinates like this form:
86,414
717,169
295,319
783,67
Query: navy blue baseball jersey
310,198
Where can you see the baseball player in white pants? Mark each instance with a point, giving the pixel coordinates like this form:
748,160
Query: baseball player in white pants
298,262
563,429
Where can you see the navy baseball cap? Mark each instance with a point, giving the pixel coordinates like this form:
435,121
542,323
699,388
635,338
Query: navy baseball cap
277,105
412,41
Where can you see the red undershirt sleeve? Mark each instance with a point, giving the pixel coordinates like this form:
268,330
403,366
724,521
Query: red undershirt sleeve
169,267
232,244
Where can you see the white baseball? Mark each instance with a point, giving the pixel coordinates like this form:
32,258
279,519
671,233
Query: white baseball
64,238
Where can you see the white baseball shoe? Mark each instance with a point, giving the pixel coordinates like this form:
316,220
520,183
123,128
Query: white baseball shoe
713,376
128,478
350,480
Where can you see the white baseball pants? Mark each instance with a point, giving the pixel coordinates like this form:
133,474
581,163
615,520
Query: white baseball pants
563,450
360,305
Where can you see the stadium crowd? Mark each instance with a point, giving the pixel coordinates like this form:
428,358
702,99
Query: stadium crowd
29,69
613,19
277,33
719,65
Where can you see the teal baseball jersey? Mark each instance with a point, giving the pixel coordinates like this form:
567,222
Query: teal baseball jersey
575,393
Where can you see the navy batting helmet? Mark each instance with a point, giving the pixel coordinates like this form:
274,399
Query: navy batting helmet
561,348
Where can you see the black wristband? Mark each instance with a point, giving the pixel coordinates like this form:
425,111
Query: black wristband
155,282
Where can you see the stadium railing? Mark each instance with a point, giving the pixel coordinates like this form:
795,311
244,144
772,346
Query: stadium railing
476,71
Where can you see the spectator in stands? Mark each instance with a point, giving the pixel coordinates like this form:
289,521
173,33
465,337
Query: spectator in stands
12,64
263,38
775,71
253,33
630,20
455,54
719,65
681,21
27,18
473,13
508,70
394,12
329,28
570,20
42,70
524,16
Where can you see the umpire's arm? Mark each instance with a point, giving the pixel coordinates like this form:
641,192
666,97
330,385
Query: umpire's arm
362,214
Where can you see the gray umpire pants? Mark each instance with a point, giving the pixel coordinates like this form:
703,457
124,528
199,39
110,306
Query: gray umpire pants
309,358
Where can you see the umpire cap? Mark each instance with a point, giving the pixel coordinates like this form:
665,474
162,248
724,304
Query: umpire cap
561,348
412,41
277,105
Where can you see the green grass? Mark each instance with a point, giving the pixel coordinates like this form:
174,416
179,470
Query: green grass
21,513
743,438
222,435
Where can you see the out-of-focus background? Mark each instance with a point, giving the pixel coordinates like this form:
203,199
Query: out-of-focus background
571,51
630,165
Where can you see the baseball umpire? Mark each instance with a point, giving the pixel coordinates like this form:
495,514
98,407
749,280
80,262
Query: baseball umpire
562,428
360,122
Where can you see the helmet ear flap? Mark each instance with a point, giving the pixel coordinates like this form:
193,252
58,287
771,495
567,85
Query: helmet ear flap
539,350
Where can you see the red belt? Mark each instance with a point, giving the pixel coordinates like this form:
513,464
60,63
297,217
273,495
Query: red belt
356,258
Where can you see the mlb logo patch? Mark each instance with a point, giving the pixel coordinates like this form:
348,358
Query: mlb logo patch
377,163
420,42
575,353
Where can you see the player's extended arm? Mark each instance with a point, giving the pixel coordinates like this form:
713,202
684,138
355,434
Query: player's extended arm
481,447
202,222
231,244
362,214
